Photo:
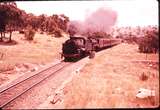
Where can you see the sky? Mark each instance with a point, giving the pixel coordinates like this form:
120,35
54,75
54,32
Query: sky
130,12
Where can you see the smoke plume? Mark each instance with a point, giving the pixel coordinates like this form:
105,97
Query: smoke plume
99,21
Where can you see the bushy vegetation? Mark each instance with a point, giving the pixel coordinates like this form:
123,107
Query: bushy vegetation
14,19
57,33
29,34
143,76
146,37
21,31
149,43
10,16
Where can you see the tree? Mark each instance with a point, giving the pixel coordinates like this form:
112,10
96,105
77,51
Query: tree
42,19
10,16
149,43
33,21
63,21
3,21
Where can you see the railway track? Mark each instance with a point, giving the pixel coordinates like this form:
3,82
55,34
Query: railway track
14,91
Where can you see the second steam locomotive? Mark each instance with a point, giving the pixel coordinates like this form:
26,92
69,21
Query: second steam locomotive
78,46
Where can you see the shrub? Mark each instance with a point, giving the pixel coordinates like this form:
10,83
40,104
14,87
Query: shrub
41,32
21,32
143,77
29,34
149,43
57,33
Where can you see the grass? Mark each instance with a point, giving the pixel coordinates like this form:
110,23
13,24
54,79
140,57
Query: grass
111,80
43,49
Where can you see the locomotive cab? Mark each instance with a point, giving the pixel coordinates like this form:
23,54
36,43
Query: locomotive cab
73,48
78,47
79,41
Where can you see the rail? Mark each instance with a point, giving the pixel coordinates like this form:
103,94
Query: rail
14,91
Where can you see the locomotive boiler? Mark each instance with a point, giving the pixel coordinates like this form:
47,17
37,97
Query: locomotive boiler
79,46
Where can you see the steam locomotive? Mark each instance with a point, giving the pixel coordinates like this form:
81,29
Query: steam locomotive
79,46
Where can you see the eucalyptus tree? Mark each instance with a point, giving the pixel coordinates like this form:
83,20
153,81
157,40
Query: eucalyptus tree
10,17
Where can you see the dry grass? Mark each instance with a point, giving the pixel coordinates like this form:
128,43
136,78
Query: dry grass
111,80
43,49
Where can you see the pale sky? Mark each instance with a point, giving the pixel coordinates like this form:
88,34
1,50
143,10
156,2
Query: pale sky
130,12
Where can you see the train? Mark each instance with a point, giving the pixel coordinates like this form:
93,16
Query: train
80,46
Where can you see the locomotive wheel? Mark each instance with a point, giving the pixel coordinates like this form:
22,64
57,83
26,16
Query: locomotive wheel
70,59
92,54
82,55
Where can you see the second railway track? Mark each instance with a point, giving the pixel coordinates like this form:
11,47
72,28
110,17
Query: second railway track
13,92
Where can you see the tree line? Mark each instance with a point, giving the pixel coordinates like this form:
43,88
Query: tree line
14,19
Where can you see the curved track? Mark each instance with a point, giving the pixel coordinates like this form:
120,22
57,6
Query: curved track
14,91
